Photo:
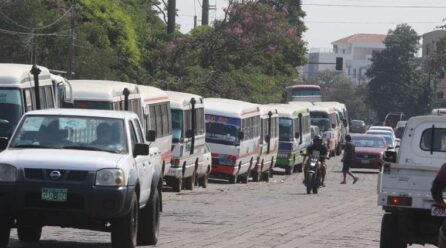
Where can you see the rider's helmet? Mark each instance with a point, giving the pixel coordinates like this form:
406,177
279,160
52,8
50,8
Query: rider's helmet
317,138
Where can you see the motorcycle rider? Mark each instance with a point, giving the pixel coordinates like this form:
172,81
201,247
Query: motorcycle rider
323,152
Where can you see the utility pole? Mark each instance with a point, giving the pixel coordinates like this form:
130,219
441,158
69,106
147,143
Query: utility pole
171,14
195,21
72,41
205,13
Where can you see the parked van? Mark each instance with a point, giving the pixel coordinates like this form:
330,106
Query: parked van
158,118
269,143
344,118
294,136
233,134
326,119
188,142
20,93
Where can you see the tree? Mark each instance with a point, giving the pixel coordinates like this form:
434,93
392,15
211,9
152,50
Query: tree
397,81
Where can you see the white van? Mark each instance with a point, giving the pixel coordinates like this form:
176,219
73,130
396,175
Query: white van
326,118
233,134
343,117
189,151
158,118
294,136
18,94
269,143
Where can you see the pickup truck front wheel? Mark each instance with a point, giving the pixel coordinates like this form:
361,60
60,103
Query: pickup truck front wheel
390,237
124,229
149,222
29,234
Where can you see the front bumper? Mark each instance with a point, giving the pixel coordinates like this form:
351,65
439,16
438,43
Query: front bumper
84,203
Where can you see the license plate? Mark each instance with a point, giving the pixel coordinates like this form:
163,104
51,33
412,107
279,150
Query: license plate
56,195
365,161
437,211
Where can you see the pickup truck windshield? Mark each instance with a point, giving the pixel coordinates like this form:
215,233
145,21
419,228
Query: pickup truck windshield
222,130
11,109
71,132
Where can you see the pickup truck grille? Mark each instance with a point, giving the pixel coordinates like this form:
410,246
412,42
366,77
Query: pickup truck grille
66,175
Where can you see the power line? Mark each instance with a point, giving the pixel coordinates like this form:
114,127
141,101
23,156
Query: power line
33,34
36,28
376,6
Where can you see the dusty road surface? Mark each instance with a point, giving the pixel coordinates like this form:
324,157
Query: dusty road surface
275,214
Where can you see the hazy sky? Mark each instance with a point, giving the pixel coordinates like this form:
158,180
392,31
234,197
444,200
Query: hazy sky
326,24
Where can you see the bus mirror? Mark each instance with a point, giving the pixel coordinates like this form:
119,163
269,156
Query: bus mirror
151,135
241,135
267,138
297,135
345,123
333,126
3,143
189,133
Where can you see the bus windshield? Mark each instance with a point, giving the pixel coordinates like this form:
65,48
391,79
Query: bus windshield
306,92
11,109
177,125
286,129
222,130
322,123
93,105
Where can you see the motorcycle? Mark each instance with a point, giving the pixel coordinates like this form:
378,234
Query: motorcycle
313,173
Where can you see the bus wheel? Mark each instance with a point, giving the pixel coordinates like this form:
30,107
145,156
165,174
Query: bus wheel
233,179
190,182
265,176
255,176
288,170
177,184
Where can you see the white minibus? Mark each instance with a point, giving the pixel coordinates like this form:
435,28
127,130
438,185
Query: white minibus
326,118
189,148
233,134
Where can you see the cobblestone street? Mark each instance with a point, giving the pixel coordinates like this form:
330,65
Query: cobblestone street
274,214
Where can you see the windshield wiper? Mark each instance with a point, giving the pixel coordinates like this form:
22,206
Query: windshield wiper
89,148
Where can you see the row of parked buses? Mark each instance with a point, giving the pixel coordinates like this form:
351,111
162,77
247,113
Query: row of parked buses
196,136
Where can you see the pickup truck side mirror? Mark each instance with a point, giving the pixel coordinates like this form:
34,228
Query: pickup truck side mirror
151,135
390,156
189,134
3,143
140,150
296,135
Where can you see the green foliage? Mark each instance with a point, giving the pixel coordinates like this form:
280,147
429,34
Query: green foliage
397,83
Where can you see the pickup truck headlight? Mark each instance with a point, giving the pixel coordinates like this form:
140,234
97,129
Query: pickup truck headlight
8,173
110,177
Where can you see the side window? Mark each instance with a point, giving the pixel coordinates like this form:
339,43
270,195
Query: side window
152,118
169,118
42,99
133,137
49,97
159,124
139,132
165,119
28,100
188,120
435,137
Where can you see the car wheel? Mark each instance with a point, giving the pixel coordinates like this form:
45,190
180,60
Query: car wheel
29,234
124,229
177,184
190,182
390,237
265,176
255,176
204,180
5,230
149,222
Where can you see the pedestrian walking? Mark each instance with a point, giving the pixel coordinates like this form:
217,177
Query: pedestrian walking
347,159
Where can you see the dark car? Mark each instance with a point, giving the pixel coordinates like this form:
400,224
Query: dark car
369,151
357,126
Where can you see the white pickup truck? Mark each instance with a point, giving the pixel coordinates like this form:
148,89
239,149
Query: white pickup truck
405,181
87,169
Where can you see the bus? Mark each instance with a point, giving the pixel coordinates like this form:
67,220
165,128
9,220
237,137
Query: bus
343,117
19,93
233,134
269,143
294,136
189,148
304,92
326,118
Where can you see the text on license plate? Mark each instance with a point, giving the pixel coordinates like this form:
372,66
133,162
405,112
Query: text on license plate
365,161
437,211
57,195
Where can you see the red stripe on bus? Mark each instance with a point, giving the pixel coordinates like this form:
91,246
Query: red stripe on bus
156,99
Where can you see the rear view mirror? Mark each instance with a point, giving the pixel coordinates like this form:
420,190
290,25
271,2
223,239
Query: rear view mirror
297,135
267,138
189,134
140,150
390,156
151,135
3,143
241,135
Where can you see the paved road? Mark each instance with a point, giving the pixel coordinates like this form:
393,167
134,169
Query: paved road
276,214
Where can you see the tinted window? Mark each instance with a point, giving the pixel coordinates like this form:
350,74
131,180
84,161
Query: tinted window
435,137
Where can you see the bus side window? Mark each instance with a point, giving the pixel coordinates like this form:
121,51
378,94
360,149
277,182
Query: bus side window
169,118
152,117
159,121
42,99
28,100
165,121
49,97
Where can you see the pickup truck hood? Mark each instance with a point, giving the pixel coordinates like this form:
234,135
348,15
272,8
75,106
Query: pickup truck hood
369,150
60,159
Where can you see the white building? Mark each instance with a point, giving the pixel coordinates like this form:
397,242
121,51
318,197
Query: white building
356,51
429,48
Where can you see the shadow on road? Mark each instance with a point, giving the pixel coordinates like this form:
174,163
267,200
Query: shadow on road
14,243
357,172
